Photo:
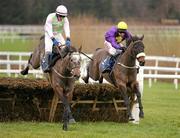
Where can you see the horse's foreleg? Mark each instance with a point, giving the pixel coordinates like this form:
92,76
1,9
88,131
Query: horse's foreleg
86,78
65,119
67,116
68,109
123,90
138,94
69,97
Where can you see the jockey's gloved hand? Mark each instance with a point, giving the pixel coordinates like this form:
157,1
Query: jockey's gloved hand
68,42
55,42
123,48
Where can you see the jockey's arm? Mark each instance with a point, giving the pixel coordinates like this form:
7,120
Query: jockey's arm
66,28
113,42
48,26
110,37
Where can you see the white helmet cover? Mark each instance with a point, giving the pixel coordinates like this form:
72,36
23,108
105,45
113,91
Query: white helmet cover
61,10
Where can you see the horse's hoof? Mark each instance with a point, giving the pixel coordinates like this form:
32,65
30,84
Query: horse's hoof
65,128
85,79
72,121
141,115
131,118
24,72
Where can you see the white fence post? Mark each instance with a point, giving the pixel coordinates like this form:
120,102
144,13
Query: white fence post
141,79
150,79
176,73
155,72
8,65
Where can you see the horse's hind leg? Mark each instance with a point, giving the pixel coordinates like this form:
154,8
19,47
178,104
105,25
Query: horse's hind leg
25,71
34,61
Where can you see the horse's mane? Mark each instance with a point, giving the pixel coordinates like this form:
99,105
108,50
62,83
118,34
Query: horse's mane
72,49
134,38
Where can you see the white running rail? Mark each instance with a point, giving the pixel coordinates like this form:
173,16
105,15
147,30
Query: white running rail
11,63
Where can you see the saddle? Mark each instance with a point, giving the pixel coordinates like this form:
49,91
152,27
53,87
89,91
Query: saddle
107,64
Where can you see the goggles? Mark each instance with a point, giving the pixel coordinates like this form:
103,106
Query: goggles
61,16
121,30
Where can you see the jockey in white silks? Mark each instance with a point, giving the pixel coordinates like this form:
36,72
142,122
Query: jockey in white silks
56,23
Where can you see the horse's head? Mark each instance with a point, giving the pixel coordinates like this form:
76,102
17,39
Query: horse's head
74,60
137,49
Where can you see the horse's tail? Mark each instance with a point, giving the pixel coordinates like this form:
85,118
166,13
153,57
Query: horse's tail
98,49
42,37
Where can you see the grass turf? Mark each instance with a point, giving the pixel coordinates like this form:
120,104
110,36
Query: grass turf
162,120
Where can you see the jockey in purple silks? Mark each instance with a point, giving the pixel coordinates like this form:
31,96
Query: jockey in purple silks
113,38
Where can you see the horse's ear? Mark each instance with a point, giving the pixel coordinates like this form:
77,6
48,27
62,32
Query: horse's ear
142,37
80,48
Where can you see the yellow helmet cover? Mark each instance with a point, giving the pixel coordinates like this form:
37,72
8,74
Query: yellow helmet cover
122,25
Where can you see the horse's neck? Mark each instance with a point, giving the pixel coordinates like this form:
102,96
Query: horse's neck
61,66
127,59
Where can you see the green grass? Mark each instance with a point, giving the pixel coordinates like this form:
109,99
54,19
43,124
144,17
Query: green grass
162,120
18,45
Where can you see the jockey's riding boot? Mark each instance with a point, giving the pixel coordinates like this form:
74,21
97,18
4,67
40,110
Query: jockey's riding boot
107,64
45,62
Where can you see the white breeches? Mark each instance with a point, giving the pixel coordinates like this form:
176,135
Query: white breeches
49,43
110,49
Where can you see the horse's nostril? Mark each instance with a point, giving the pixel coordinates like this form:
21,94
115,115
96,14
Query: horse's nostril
76,77
142,63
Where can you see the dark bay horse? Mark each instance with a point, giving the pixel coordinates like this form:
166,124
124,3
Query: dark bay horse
62,77
124,72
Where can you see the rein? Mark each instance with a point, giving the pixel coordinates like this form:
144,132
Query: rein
136,41
86,55
59,48
59,74
128,67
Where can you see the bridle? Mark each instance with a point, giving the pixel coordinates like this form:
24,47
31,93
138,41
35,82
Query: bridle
67,77
130,67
